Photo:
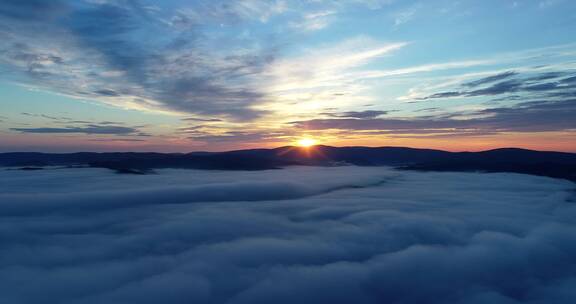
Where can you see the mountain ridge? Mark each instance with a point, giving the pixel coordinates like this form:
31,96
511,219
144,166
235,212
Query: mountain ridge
509,159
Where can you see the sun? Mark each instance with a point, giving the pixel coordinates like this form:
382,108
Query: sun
306,142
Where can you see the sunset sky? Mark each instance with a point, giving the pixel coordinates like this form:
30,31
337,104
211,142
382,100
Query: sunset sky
183,75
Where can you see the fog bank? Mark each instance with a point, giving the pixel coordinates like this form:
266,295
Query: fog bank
298,235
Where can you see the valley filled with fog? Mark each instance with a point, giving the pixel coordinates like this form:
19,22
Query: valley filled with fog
296,235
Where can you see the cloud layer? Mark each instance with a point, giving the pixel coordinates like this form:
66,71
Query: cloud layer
306,235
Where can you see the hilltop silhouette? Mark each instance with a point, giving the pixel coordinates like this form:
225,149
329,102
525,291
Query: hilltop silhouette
545,163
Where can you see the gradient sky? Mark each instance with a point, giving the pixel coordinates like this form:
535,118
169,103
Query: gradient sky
182,75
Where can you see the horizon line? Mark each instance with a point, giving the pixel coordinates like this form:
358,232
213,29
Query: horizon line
293,146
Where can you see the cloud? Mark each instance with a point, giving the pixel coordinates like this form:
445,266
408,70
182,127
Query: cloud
314,21
213,192
443,95
328,75
96,50
201,119
508,86
239,137
327,67
406,15
45,116
90,236
107,92
90,129
501,84
569,80
358,114
63,120
536,116
548,75
116,140
490,79
223,11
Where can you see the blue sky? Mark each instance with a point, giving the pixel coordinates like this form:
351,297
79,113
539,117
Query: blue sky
180,75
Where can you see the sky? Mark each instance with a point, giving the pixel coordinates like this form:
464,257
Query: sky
178,76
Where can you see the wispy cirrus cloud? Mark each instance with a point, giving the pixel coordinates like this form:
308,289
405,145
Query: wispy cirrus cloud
405,15
324,76
329,66
223,11
314,21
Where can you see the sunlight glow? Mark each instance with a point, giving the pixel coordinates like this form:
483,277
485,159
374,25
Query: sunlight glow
306,142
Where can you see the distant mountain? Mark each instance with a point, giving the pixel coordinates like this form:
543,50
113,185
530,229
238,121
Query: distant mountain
553,164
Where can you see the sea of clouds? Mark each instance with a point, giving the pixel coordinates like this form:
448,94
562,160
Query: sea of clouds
298,235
